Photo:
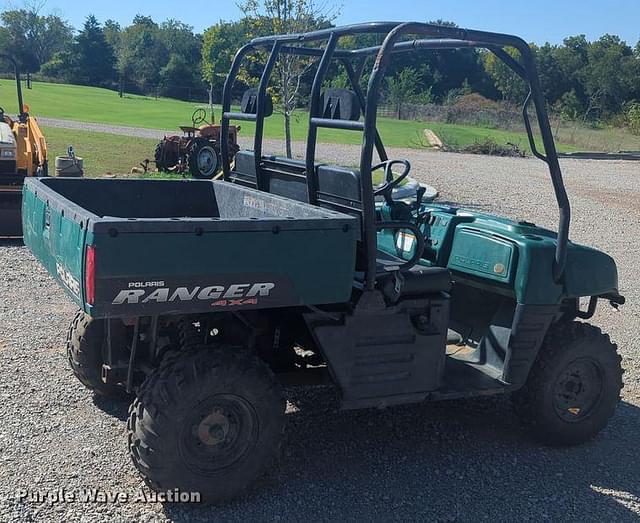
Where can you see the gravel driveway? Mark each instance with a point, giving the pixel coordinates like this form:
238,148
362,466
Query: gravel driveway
137,132
454,461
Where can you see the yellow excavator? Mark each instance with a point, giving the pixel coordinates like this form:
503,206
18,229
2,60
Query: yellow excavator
23,152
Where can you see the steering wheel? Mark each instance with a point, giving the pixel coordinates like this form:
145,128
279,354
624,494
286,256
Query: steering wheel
199,116
391,182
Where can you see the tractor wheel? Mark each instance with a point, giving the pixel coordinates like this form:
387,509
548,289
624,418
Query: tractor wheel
574,386
203,159
208,420
158,156
86,341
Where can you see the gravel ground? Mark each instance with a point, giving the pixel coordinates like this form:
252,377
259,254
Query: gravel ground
455,461
137,132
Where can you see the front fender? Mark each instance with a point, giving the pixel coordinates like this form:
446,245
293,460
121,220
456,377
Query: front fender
590,272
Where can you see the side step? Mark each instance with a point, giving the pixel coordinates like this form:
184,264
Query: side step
386,357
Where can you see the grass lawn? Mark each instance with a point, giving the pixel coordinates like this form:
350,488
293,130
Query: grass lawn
90,104
103,153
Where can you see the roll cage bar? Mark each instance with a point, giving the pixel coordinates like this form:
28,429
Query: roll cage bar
433,37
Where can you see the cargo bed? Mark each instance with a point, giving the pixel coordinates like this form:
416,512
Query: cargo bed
151,247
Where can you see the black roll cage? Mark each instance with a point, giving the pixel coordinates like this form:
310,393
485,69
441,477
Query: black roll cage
437,38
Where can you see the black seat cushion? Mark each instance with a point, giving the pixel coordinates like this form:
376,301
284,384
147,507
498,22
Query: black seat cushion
417,281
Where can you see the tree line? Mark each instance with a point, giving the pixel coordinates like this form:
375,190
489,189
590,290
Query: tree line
582,79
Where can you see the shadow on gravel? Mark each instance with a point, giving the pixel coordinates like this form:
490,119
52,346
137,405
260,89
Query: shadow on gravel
449,461
116,408
11,242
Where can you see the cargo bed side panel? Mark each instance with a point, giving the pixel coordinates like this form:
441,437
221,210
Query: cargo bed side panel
55,240
141,274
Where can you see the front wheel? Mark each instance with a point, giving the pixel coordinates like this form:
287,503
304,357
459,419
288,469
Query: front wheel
574,386
208,420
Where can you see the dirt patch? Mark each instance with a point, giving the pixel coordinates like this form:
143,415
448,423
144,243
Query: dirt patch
629,201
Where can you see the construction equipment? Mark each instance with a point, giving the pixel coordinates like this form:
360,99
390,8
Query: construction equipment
197,151
288,272
23,153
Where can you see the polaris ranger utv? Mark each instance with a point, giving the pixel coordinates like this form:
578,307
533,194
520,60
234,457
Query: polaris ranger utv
206,298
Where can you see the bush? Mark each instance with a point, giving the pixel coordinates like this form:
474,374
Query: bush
490,147
477,102
633,117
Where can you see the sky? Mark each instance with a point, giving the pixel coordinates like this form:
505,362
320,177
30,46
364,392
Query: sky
536,21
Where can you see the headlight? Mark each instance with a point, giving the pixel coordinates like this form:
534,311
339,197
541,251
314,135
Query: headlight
8,154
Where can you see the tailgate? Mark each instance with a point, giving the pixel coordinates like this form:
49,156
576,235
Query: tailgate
55,235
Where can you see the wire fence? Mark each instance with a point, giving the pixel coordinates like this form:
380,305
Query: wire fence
188,93
509,118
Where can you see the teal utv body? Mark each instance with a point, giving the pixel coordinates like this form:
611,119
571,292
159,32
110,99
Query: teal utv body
203,300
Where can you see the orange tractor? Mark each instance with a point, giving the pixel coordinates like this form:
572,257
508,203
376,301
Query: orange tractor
23,153
197,151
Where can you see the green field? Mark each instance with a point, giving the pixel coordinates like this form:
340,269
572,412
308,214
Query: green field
103,153
89,104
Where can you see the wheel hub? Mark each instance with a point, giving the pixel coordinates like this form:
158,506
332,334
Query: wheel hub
206,161
578,390
219,432
214,429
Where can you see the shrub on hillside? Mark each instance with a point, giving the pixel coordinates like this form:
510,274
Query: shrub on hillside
490,147
633,117
475,101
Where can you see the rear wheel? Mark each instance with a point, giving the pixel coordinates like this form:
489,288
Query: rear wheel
573,388
208,420
86,344
204,162
159,157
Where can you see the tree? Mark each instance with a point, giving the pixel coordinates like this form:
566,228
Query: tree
89,60
612,71
32,38
95,57
163,59
402,88
176,77
572,59
142,54
181,74
219,44
510,85
112,32
287,16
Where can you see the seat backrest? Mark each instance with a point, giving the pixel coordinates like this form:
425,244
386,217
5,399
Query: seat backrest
339,188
